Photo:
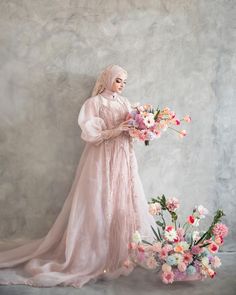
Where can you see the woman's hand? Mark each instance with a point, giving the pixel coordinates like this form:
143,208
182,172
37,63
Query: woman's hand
112,133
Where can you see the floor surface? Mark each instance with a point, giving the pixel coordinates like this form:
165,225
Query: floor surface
142,281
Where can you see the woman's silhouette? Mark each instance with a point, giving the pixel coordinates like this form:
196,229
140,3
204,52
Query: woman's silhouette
105,206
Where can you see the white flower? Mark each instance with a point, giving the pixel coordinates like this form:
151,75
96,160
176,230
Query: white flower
154,209
196,222
205,261
178,257
215,262
185,245
196,235
137,237
170,233
202,211
149,120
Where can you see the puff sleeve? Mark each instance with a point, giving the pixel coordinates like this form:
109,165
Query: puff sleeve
91,124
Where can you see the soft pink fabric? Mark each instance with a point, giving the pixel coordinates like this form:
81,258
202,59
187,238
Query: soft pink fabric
105,205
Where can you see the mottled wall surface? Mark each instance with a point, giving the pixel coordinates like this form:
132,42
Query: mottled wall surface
179,54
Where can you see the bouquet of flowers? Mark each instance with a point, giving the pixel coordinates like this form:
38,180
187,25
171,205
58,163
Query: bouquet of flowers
148,123
181,252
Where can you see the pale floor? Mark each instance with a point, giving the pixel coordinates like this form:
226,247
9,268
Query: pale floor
141,281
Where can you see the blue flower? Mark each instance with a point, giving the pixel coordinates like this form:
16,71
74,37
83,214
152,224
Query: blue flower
171,260
191,270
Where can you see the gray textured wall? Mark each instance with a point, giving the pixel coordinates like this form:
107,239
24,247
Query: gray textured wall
179,54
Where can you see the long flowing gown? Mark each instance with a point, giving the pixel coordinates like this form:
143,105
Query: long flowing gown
105,206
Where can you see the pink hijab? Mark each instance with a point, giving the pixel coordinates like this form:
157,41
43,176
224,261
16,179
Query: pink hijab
106,79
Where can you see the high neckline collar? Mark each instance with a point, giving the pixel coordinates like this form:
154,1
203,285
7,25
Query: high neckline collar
109,94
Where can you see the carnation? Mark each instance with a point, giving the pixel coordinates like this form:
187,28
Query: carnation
220,229
187,258
172,204
182,266
213,247
168,277
202,211
170,233
154,208
215,262
151,262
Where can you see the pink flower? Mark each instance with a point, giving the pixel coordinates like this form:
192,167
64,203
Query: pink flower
128,263
213,247
187,258
220,229
182,266
211,272
180,233
156,247
141,248
219,240
132,246
139,120
151,263
172,204
177,122
195,250
163,253
182,133
168,277
168,247
191,219
172,114
215,262
187,118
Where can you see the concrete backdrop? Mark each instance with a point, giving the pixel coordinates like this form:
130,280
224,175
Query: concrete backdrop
179,54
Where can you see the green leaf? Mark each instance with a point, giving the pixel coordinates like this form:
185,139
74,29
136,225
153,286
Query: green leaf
155,233
146,242
159,223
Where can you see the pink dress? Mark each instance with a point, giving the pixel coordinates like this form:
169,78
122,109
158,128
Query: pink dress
105,206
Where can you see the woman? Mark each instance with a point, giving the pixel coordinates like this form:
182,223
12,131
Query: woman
105,206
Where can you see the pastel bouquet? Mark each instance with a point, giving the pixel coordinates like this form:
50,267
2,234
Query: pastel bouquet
180,252
148,122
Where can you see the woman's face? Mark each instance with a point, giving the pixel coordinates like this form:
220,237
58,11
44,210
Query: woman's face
119,83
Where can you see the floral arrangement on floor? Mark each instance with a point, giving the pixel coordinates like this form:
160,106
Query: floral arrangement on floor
181,252
148,123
